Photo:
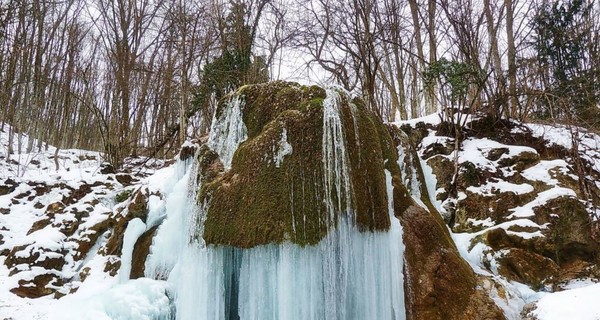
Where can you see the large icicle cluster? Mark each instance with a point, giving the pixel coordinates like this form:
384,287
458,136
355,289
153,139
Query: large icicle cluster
347,275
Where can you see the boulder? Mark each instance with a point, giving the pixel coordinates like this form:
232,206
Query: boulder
528,267
39,286
439,283
244,203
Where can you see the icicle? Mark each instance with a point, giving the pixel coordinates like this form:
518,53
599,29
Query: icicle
228,130
173,234
408,168
335,159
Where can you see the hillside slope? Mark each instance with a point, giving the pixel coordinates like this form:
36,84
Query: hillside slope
523,212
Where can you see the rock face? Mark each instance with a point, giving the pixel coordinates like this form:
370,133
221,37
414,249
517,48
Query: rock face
439,283
521,199
282,158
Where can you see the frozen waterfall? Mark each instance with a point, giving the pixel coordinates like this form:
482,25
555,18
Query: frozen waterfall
347,275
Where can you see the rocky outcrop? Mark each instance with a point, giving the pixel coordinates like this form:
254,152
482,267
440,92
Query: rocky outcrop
245,207
40,285
440,284
521,197
140,253
136,208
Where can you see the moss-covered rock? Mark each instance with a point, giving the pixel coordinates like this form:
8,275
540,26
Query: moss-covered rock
264,199
569,232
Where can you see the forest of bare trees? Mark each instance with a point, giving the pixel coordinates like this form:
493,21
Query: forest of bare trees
139,77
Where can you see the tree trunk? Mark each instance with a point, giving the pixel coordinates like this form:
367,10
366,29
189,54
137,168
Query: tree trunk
512,66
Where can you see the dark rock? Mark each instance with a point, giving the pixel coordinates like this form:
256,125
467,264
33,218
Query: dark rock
38,287
443,169
187,152
54,208
22,195
124,179
92,234
569,233
521,161
528,267
33,258
4,190
107,168
84,273
435,149
40,224
8,187
78,193
495,154
140,252
112,266
67,226
439,283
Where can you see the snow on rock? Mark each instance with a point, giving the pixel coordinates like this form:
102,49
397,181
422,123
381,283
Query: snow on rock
491,188
58,210
512,203
545,171
477,152
542,198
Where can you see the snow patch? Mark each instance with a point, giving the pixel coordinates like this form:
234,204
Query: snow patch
493,188
284,148
581,304
526,210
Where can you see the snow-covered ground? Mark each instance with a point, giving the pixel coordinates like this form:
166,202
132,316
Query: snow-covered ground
579,303
48,214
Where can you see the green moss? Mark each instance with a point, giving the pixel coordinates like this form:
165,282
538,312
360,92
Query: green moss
265,101
257,202
365,152
122,196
